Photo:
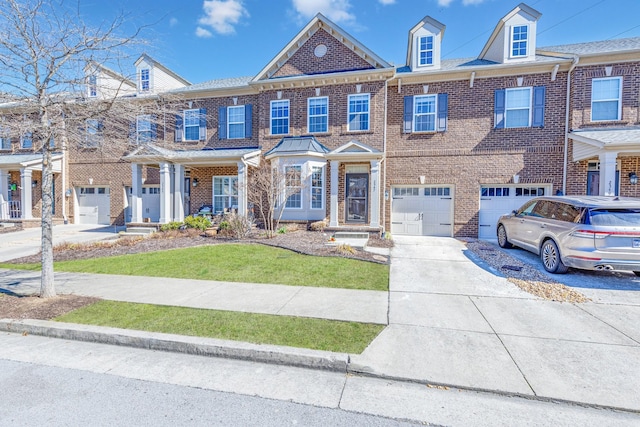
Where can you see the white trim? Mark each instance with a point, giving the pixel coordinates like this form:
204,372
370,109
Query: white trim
196,112
326,115
271,118
227,196
507,109
618,99
286,200
368,112
419,51
244,125
512,41
322,187
434,113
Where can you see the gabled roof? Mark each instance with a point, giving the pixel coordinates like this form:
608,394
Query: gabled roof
317,23
496,32
93,65
296,146
427,20
153,154
147,58
28,161
355,150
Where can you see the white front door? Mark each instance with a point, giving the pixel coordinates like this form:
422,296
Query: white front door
499,199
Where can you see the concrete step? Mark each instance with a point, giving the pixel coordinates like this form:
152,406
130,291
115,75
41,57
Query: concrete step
140,230
351,235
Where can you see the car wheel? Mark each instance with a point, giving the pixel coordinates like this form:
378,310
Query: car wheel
502,238
637,273
550,256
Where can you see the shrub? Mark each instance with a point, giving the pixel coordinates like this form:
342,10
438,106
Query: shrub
174,225
238,226
198,222
318,225
282,230
345,249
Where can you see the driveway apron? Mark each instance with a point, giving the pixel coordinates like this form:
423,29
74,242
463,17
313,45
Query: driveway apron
454,320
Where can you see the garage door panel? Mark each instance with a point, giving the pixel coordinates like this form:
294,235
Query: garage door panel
427,211
499,199
94,205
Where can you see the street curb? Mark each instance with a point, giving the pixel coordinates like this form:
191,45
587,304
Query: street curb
281,355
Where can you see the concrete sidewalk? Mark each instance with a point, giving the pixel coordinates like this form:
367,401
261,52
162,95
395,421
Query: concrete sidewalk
323,303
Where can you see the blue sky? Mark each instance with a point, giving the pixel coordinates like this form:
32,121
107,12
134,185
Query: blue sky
210,39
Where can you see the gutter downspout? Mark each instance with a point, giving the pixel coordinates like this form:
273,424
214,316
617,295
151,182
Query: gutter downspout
384,151
565,164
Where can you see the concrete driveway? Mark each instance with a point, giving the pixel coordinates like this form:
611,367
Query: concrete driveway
453,321
28,241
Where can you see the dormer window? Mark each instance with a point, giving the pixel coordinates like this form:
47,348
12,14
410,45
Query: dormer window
92,89
425,50
144,80
519,39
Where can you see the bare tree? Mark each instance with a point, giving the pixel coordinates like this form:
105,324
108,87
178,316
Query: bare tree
270,187
44,49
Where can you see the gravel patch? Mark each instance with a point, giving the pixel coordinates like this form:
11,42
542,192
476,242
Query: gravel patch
523,275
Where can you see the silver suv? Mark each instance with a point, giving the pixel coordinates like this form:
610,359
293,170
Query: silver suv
587,232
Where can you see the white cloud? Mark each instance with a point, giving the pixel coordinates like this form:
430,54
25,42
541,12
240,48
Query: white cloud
470,2
173,22
203,32
336,10
444,3
221,16
387,2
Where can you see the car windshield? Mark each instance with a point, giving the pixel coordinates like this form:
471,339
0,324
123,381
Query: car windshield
615,217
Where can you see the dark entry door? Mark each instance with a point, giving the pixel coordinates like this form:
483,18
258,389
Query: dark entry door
357,197
593,183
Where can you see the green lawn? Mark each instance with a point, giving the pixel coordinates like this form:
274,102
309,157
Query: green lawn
237,263
317,334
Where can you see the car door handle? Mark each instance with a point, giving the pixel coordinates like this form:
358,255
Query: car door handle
543,226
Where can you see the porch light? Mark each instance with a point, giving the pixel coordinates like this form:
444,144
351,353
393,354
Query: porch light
633,178
34,184
195,182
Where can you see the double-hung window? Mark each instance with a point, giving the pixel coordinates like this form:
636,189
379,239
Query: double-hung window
192,125
93,133
144,80
235,122
225,193
425,50
280,117
606,94
424,113
144,131
26,140
519,107
293,186
318,117
92,86
519,39
317,187
358,112
5,140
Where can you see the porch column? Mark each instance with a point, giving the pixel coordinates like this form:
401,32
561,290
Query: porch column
608,163
136,193
165,193
375,194
26,205
4,194
242,188
333,203
178,192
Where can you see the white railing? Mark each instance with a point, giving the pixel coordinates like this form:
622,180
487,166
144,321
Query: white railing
14,209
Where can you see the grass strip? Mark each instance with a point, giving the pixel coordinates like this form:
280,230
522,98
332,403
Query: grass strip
248,263
317,334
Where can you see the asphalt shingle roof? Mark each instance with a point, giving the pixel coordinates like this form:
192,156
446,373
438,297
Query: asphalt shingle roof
298,144
604,46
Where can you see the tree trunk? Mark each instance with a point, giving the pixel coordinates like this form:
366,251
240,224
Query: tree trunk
47,285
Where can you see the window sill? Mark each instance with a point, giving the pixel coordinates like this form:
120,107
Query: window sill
358,132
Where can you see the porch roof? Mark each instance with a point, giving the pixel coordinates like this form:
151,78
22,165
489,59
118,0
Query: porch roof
355,150
152,154
590,143
296,146
31,161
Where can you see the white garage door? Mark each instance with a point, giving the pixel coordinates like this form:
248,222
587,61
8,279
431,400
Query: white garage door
499,199
94,205
422,211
